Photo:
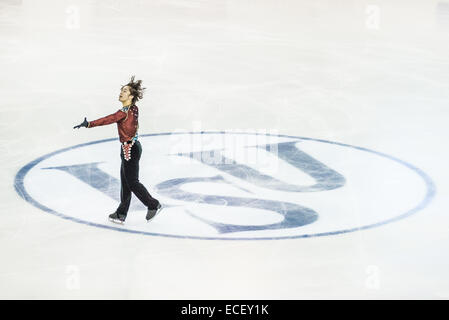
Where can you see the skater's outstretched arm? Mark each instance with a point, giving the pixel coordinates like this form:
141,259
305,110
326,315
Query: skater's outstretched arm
112,118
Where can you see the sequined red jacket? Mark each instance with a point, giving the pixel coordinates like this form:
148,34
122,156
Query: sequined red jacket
126,119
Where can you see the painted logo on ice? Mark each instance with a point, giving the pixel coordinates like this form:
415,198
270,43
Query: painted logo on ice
231,186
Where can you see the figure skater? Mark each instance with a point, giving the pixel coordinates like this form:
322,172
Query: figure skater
127,119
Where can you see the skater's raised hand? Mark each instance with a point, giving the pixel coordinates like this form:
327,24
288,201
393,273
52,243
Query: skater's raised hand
83,124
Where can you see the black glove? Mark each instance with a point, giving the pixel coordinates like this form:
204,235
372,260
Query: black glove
84,124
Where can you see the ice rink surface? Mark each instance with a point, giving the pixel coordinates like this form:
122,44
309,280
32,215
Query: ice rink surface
363,84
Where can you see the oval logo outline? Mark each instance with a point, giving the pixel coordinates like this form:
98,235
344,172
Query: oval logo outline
430,190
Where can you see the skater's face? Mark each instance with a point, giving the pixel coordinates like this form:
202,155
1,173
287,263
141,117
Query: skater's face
125,95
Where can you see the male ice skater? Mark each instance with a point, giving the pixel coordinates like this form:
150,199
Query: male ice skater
130,152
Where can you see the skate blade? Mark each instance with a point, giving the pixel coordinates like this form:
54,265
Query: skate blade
117,221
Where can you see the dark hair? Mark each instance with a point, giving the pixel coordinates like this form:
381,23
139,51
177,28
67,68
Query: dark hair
135,88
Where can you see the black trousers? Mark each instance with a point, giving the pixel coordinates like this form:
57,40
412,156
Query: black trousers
129,178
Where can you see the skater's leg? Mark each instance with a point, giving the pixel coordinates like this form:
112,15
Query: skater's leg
131,171
125,193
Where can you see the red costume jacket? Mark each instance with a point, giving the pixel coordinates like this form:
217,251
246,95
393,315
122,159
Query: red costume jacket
126,119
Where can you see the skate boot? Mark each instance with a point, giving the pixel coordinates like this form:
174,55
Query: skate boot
151,213
117,218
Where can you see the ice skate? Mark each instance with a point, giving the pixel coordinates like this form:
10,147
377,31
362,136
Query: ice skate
151,213
117,218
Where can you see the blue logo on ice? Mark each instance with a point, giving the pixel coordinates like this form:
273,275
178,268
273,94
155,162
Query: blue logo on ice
231,186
